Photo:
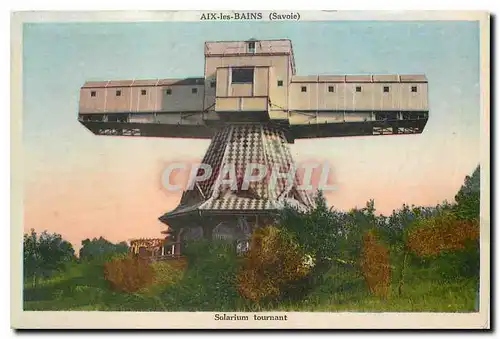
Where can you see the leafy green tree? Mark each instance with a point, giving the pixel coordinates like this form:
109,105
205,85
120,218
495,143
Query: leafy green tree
209,282
315,230
356,222
44,254
323,234
100,248
468,197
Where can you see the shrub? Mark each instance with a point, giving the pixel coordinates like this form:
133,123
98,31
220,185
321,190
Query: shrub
209,281
444,232
272,261
447,245
374,264
128,274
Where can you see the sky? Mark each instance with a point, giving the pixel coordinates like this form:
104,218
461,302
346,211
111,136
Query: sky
82,186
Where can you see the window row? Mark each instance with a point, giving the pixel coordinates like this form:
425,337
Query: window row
168,91
331,89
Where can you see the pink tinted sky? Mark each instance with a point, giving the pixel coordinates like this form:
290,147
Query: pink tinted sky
83,186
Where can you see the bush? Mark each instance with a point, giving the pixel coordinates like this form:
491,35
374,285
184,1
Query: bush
447,245
209,281
374,265
128,274
441,233
272,261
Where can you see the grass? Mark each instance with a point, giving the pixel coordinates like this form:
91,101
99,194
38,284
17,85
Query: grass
83,288
345,291
422,297
166,273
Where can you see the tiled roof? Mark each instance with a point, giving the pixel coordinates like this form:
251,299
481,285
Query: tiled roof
240,145
144,83
360,78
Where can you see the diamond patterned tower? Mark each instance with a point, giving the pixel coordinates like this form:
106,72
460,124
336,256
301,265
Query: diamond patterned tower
211,207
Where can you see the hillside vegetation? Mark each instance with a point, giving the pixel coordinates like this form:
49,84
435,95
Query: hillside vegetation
417,259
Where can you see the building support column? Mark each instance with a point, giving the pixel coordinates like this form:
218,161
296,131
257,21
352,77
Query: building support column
208,232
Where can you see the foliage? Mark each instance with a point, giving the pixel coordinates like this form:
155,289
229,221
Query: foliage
101,248
272,261
468,197
358,256
83,288
356,222
446,245
391,229
315,230
444,232
128,274
374,264
209,281
318,232
166,273
45,254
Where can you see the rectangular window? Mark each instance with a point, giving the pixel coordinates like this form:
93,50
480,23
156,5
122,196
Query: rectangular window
280,83
242,75
386,89
93,93
251,47
118,93
358,88
143,92
331,89
212,84
194,90
414,89
303,89
168,91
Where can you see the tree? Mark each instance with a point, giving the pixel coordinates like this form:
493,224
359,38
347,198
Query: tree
100,248
316,231
374,264
273,261
45,254
356,222
468,197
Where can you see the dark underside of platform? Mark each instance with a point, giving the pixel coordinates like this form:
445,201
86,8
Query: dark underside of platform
412,124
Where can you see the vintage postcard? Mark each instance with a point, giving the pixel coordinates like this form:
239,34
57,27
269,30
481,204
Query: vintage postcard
264,169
